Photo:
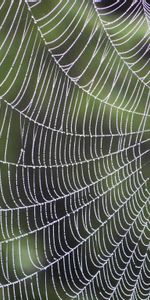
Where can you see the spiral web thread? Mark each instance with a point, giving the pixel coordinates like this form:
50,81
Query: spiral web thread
74,131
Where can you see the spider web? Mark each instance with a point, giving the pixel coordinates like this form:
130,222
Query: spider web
74,130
